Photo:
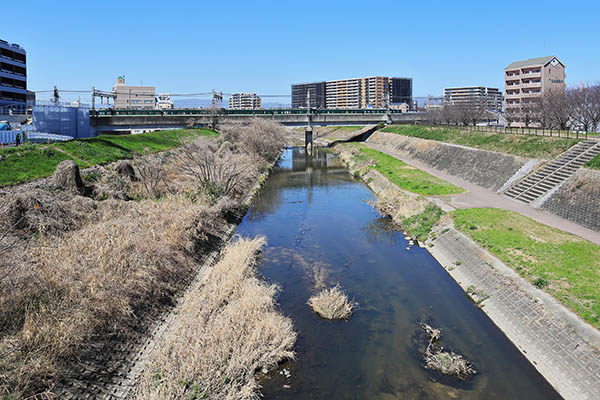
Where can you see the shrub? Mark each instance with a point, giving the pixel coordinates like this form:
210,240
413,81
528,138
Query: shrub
260,138
332,303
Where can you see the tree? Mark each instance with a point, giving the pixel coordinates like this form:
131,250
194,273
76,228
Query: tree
530,111
586,104
557,109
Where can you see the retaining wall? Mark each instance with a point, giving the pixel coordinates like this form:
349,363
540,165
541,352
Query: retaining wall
484,168
578,199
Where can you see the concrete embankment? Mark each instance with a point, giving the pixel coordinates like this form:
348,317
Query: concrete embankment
578,199
564,349
488,169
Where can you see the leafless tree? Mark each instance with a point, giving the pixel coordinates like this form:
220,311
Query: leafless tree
530,111
557,108
586,103
511,114
151,171
448,114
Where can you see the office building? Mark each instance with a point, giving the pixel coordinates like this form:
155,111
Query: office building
366,92
526,81
133,97
13,75
250,101
490,98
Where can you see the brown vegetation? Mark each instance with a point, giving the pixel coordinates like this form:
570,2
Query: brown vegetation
332,303
448,363
227,328
75,269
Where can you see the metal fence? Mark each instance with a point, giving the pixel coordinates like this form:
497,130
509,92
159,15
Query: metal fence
557,133
9,137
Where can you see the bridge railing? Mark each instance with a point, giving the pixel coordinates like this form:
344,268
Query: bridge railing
205,111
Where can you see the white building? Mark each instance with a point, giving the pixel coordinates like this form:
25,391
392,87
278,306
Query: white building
491,97
239,101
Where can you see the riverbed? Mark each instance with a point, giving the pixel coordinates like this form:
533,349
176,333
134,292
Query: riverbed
321,231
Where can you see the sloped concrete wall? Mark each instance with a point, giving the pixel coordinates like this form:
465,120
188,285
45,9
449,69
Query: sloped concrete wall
484,168
578,199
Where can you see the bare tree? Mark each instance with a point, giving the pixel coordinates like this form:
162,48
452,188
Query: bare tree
557,109
511,114
530,111
151,171
586,103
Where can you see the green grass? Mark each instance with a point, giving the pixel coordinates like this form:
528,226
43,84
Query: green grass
560,263
520,145
29,162
420,225
405,176
348,128
594,163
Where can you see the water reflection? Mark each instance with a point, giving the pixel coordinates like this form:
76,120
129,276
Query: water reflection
321,231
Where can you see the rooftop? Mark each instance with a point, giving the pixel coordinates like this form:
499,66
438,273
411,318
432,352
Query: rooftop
532,62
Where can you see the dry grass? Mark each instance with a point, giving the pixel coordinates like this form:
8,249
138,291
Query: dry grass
448,363
227,328
332,304
399,205
75,270
260,138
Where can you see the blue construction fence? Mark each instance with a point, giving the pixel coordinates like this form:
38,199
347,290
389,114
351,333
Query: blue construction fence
10,137
62,120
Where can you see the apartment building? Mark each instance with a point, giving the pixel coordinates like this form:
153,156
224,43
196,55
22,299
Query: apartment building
526,81
373,91
302,91
239,101
13,75
490,97
133,97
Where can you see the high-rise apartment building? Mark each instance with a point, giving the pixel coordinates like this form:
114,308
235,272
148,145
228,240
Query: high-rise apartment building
133,97
491,98
314,91
13,75
239,101
526,81
373,91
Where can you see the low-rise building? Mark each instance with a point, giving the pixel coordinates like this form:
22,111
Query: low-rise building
133,97
489,98
13,75
239,101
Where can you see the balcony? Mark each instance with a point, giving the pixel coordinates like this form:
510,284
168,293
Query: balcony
531,85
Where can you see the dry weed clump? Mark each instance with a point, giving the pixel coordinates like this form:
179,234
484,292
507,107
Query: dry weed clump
399,205
332,303
263,139
97,280
227,328
448,363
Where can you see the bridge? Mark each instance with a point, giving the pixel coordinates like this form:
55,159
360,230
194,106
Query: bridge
109,120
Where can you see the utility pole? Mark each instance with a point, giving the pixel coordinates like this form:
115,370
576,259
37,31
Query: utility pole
308,131
55,97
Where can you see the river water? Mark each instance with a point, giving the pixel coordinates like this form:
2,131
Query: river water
321,231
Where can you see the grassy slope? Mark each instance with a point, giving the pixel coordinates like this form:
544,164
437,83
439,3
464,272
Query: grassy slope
520,145
565,265
30,162
407,177
594,163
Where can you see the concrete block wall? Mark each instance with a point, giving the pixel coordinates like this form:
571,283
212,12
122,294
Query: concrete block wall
484,168
578,199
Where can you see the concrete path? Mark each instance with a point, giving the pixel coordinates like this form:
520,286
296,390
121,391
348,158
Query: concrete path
479,197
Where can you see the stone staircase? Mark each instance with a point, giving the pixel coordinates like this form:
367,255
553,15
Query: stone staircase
534,187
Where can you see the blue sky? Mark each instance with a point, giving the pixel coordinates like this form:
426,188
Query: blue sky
264,46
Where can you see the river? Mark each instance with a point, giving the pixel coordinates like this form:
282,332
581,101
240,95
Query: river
321,231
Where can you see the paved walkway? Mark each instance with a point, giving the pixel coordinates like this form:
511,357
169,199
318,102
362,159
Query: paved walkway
479,197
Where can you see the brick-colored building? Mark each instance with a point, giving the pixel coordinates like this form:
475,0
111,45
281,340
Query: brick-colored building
526,81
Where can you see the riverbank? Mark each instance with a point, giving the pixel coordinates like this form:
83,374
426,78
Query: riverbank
108,270
545,331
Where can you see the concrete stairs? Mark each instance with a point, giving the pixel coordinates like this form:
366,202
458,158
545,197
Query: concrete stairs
537,186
